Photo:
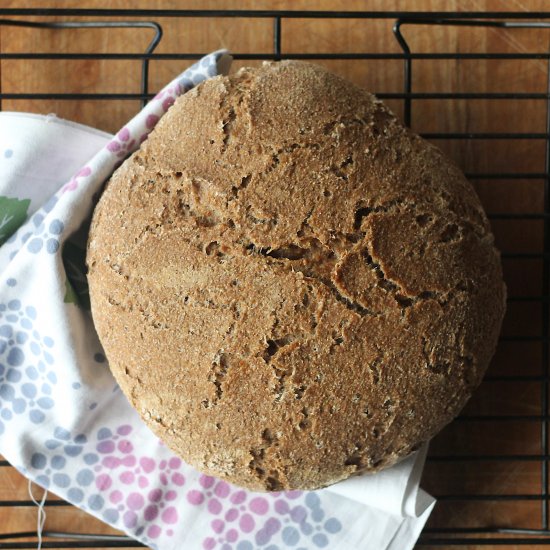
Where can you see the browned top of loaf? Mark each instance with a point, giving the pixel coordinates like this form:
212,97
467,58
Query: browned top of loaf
290,286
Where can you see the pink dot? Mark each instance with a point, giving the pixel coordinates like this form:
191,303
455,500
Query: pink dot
281,507
167,103
148,464
238,497
83,172
195,497
125,446
135,501
129,461
214,506
151,512
124,134
127,477
103,482
247,523
113,146
154,531
170,515
259,505
155,495
178,479
232,514
174,463
231,535
206,481
151,120
115,496
293,494
208,543
171,495
218,525
222,489
130,519
162,464
143,137
143,482
124,430
169,532
106,447
163,478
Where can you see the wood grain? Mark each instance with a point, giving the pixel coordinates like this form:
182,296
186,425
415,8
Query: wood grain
480,156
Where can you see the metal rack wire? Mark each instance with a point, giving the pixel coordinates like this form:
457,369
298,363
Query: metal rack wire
434,535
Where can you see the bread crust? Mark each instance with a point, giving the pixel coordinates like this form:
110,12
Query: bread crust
291,287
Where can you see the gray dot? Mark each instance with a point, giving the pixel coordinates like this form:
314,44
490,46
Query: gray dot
50,204
58,462
306,528
111,515
11,282
76,385
104,433
245,545
61,480
99,357
6,331
90,458
56,227
6,414
31,312
45,403
35,245
6,392
13,375
75,495
290,536
37,416
32,373
52,246
12,318
44,481
2,369
3,346
332,525
80,439
96,502
14,305
28,390
62,433
84,477
197,78
318,515
16,357
19,406
52,444
72,450
312,500
21,337
320,540
38,461
37,219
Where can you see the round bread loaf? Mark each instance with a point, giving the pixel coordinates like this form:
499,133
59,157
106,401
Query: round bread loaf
291,287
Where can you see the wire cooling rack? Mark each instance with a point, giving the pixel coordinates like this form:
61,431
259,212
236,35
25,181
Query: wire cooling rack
461,516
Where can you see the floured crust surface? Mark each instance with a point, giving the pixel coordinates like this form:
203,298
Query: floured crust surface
291,287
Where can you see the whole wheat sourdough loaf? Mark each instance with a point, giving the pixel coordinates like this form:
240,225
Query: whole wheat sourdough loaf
290,286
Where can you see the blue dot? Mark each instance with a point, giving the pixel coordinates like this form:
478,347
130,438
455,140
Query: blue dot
25,323
312,500
56,227
50,204
96,502
245,545
75,495
12,318
3,346
8,153
320,540
90,458
37,416
52,444
21,337
28,390
111,515
52,377
14,305
13,375
76,385
46,388
6,331
81,439
35,245
37,219
332,526
84,477
6,392
62,433
32,373
61,480
48,358
72,450
6,414
16,357
44,481
41,366
45,403
19,406
104,433
11,282
318,515
306,528
52,246
99,357
2,369
58,462
38,461
48,341
290,536
31,312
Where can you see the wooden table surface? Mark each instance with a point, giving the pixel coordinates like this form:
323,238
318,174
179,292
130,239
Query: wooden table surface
518,196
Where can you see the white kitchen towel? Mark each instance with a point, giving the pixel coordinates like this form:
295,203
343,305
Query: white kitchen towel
63,421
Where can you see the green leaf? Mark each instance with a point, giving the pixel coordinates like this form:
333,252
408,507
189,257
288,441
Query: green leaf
70,295
74,259
13,212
